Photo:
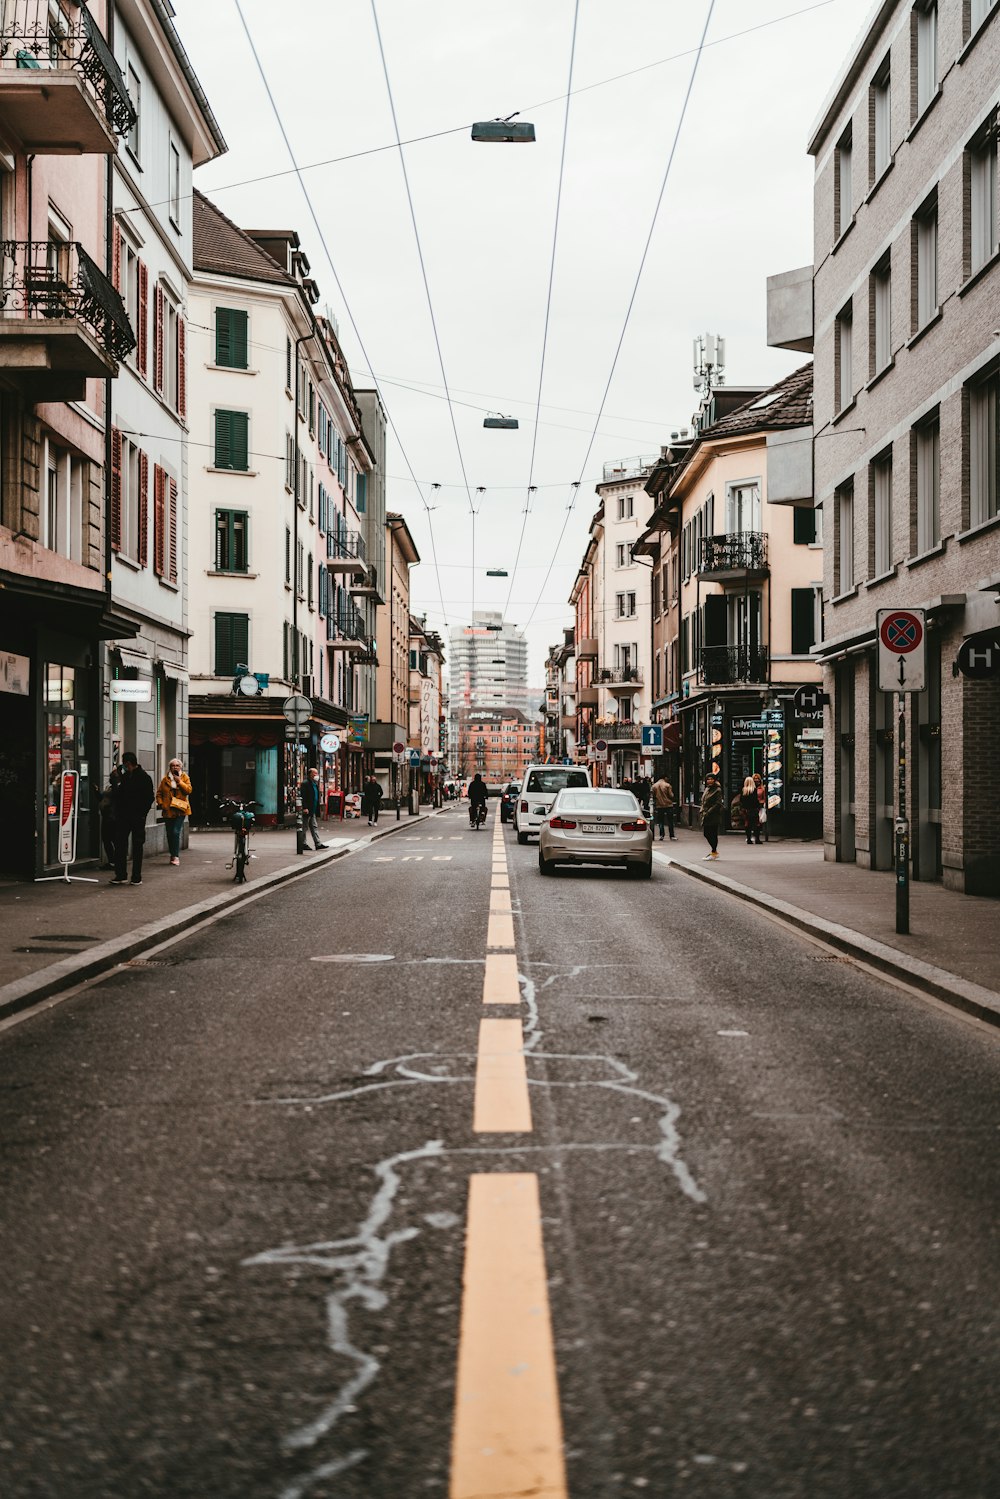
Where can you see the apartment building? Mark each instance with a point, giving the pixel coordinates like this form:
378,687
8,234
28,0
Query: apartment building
583,597
488,664
497,743
560,699
173,130
275,544
64,333
903,307
736,602
392,721
427,726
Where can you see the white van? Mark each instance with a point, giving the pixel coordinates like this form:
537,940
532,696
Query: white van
540,785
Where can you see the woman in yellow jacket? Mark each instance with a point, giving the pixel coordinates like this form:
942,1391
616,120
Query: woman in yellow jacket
172,799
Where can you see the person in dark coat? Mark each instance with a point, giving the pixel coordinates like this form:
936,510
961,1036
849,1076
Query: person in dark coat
750,805
711,815
131,798
108,819
371,801
643,787
309,792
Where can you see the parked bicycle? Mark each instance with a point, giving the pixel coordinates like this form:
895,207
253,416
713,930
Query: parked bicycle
241,820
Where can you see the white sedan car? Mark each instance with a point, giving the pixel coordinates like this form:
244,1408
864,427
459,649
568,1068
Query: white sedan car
596,827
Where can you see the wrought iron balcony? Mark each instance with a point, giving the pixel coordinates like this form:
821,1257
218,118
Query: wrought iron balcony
729,664
345,629
734,554
619,676
366,586
61,90
345,553
622,730
59,314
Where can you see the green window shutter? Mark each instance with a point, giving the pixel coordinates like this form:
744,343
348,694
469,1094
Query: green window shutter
803,526
232,642
362,494
231,341
716,621
803,621
232,440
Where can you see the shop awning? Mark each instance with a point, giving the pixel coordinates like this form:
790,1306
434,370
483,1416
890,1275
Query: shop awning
172,671
130,657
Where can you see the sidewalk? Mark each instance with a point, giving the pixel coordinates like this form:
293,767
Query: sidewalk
856,910
56,935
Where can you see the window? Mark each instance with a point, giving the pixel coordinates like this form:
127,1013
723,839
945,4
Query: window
131,280
175,186
984,449
980,10
844,553
843,357
361,494
65,477
923,53
803,620
231,342
309,576
880,529
880,317
232,440
288,364
129,499
232,643
926,520
231,541
879,120
924,255
165,526
625,605
843,203
625,507
803,526
289,463
981,214
743,511
135,95
169,350
288,559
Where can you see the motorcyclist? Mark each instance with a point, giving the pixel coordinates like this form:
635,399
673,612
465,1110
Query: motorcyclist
477,798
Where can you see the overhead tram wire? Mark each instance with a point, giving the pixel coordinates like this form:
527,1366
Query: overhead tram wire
548,305
343,296
635,289
427,289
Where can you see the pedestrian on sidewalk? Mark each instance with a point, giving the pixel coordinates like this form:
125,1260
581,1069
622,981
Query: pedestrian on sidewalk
371,801
107,813
750,805
309,793
643,789
131,799
711,815
172,799
762,802
665,805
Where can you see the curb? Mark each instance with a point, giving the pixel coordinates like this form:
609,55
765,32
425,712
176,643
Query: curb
78,969
950,988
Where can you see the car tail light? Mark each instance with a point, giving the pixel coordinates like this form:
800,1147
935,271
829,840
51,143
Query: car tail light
524,806
563,822
639,826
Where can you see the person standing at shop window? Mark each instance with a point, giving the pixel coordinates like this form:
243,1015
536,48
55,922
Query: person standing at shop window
711,815
309,792
172,799
762,802
131,799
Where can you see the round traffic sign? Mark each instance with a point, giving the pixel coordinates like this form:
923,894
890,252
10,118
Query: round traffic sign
296,707
330,744
600,744
398,746
901,632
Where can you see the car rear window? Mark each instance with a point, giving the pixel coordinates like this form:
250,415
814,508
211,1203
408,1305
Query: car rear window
598,801
555,780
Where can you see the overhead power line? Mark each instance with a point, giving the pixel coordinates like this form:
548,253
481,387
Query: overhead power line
548,305
343,297
635,288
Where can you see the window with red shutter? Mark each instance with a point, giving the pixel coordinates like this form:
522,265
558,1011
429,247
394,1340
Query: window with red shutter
158,340
116,489
142,321
159,518
182,367
143,509
116,258
172,575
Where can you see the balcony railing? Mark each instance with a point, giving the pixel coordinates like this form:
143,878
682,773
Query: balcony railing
630,468
349,545
740,551
617,676
46,281
36,36
722,664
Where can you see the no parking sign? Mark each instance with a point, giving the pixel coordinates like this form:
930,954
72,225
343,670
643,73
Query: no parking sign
902,650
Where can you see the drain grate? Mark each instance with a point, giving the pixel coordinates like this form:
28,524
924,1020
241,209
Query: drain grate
833,960
149,963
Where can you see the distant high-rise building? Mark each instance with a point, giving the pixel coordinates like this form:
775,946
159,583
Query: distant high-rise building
488,662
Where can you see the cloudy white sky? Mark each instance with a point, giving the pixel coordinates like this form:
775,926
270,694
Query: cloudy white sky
737,207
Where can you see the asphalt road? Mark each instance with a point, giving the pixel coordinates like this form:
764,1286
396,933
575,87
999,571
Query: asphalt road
236,1196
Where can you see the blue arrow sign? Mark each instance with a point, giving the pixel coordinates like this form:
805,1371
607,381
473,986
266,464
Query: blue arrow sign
652,736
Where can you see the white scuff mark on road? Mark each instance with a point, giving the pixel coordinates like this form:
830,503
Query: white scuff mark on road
328,1470
353,957
359,1264
574,973
532,1032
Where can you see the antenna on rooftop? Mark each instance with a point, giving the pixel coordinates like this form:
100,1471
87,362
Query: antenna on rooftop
709,362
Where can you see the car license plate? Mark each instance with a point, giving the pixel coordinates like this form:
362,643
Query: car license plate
597,827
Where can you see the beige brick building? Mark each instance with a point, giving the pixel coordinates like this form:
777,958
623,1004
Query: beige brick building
902,308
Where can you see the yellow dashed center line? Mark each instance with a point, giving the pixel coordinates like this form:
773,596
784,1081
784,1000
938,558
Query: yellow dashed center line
500,931
507,1437
501,1105
500,898
500,986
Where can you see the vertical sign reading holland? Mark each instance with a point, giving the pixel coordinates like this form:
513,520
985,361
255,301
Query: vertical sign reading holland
67,817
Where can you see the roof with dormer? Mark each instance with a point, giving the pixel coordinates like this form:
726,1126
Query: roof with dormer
222,248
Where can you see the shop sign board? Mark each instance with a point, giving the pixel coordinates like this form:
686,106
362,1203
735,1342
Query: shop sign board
978,655
123,691
330,744
67,817
14,673
357,728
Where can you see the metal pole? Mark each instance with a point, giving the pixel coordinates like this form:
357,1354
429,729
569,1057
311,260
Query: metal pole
396,786
902,829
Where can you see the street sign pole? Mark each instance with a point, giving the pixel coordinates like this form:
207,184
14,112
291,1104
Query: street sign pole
902,830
